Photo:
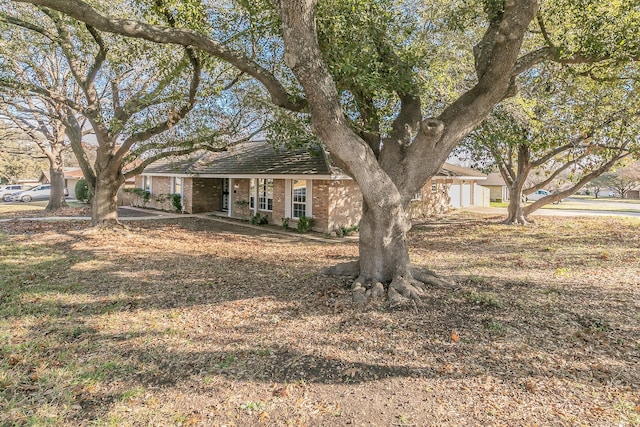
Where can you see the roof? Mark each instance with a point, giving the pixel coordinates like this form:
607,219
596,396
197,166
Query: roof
450,170
260,158
494,178
73,173
253,158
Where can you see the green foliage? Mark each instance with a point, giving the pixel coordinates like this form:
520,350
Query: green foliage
259,219
189,14
83,193
285,223
305,224
176,202
141,193
252,407
347,231
482,298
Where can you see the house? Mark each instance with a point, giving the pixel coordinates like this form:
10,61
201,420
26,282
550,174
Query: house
256,178
499,192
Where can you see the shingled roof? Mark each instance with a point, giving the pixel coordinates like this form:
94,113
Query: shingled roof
253,158
260,158
456,171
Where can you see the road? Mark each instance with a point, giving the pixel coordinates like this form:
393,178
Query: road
581,207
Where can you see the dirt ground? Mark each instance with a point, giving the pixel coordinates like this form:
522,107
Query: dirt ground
196,322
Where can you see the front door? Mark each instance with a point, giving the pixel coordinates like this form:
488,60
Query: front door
225,194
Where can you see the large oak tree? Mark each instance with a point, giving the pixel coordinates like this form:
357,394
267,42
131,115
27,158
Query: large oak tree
391,164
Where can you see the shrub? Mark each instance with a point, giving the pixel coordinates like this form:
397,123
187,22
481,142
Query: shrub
143,195
176,201
304,224
346,231
83,193
259,219
285,223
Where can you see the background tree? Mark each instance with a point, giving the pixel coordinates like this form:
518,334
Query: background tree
560,132
598,185
18,157
135,99
38,122
415,144
624,179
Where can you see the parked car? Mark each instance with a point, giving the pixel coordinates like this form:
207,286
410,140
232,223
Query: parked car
539,195
39,192
7,190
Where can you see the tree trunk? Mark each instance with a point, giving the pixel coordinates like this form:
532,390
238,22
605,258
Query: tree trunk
104,202
57,197
384,254
516,214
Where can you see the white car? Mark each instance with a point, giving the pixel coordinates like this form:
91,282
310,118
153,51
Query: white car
7,190
539,195
39,192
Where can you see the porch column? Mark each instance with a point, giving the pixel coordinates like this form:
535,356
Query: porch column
231,199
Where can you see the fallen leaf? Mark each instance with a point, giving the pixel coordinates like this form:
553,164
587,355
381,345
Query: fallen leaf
454,336
264,416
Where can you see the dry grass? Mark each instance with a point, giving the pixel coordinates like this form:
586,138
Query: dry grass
194,322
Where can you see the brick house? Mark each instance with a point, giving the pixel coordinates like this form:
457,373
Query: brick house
255,178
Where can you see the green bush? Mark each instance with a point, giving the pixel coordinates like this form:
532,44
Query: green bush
143,194
176,201
346,231
304,224
83,193
259,219
285,223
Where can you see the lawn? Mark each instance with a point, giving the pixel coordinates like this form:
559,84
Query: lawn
198,322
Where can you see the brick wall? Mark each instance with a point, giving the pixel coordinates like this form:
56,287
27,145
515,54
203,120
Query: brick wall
206,195
431,203
344,204
320,205
240,199
159,185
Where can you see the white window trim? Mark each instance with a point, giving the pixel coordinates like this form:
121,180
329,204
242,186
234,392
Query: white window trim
266,209
149,182
173,185
289,199
288,204
230,198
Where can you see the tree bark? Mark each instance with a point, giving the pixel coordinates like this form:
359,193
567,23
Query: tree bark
104,203
516,209
56,173
57,197
384,254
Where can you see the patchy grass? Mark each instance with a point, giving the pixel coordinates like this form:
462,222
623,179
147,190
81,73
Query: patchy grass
196,322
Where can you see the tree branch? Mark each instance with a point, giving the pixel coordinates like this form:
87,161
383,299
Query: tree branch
130,28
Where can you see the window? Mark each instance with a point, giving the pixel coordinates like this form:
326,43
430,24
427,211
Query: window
252,193
417,196
265,194
176,188
434,187
299,198
146,183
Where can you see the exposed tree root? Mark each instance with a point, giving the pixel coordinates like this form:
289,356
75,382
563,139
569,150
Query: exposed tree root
400,290
518,221
347,269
